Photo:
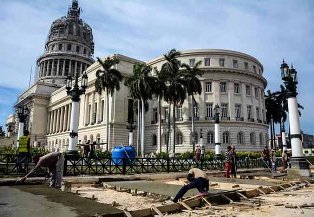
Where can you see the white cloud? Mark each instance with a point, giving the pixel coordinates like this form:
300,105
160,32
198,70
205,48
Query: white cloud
267,30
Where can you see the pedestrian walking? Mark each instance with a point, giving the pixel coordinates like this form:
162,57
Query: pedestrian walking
55,163
23,151
284,159
197,156
233,165
229,158
266,157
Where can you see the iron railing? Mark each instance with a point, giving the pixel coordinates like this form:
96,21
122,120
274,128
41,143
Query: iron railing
101,166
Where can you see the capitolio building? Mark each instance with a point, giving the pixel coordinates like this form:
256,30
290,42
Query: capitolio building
231,79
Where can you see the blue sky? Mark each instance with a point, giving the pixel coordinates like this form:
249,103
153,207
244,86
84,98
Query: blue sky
268,30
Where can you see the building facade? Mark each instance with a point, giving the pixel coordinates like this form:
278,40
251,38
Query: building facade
231,79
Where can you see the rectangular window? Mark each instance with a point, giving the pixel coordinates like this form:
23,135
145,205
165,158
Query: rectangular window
166,114
248,90
208,87
207,61
246,66
69,47
209,110
95,113
222,62
77,49
249,112
257,113
155,115
256,92
236,88
238,111
235,63
179,113
89,113
254,68
192,62
102,110
195,111
60,46
224,110
223,87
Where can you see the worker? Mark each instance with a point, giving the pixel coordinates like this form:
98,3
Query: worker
197,179
23,151
55,162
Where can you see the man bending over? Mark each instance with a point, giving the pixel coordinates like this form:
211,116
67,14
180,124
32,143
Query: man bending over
198,179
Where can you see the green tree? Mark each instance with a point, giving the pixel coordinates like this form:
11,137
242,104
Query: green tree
108,79
175,87
193,86
2,133
141,87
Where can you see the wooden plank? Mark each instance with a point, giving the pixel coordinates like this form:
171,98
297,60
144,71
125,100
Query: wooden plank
157,210
206,201
224,196
127,213
281,187
261,191
242,195
271,189
185,205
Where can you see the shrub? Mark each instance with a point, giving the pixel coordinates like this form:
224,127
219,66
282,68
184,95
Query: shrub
101,154
162,155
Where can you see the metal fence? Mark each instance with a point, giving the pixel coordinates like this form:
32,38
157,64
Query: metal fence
9,165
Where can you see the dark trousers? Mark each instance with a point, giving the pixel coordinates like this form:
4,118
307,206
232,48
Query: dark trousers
233,170
227,167
22,161
200,183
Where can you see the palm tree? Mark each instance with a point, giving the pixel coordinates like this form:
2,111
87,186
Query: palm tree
142,88
160,87
272,113
175,86
108,79
193,86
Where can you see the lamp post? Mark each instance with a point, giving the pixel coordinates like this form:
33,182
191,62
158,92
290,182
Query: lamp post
22,112
130,123
218,155
202,144
75,93
298,165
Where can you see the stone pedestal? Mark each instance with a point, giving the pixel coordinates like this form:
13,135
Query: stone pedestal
298,166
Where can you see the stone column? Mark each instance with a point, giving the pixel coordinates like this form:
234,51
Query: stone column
58,65
58,120
61,119
64,125
63,68
92,108
70,67
69,116
75,67
48,123
98,109
52,67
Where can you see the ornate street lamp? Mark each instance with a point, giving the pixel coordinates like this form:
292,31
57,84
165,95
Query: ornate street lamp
298,164
218,155
22,112
75,93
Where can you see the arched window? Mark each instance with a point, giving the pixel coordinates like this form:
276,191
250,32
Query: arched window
85,139
225,138
69,47
240,138
154,140
98,138
60,46
261,142
252,138
210,137
179,138
91,138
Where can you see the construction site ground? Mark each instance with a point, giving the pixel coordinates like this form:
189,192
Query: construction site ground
110,195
